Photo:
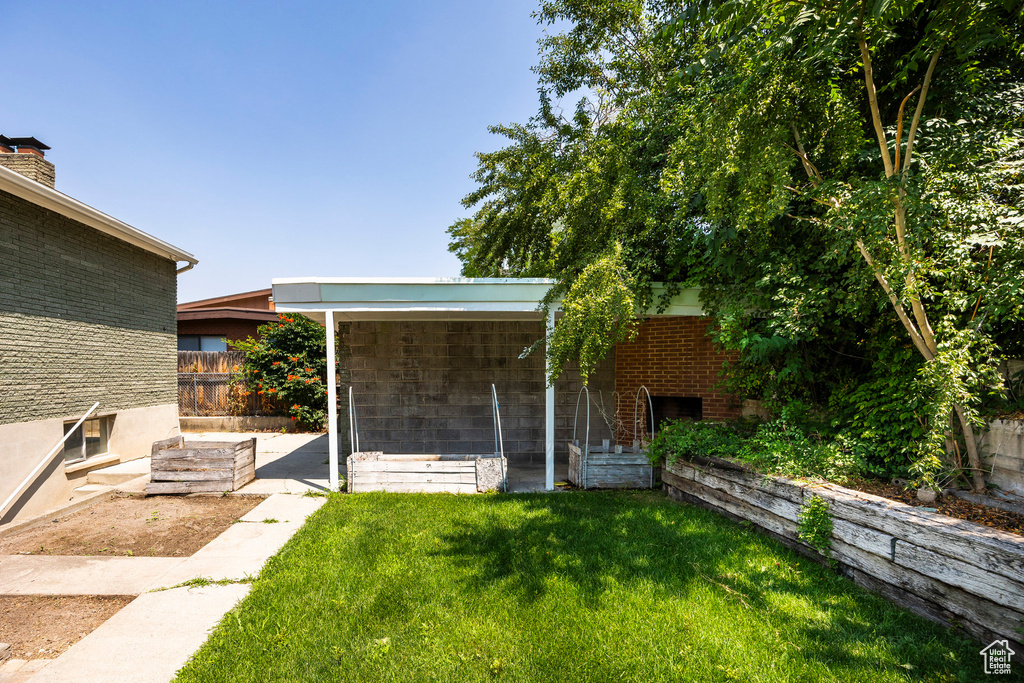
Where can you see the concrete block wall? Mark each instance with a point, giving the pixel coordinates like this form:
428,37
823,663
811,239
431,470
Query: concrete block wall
425,387
671,356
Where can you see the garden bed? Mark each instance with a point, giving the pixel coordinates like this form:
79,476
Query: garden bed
609,467
180,466
950,571
129,525
44,626
947,504
426,472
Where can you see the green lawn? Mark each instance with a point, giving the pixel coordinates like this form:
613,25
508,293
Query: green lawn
559,587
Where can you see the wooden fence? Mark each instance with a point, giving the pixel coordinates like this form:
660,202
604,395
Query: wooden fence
205,388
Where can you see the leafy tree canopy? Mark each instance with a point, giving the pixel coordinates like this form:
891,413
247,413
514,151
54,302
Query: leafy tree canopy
842,180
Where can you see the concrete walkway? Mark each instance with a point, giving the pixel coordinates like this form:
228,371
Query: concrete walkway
285,463
73,575
152,638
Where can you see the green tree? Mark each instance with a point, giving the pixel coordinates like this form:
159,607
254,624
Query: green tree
827,173
288,362
812,103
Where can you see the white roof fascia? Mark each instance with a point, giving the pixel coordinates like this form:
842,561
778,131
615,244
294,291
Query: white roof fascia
380,298
58,202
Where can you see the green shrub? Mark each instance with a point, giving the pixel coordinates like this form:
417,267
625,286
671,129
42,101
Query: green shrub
289,363
779,448
771,447
686,439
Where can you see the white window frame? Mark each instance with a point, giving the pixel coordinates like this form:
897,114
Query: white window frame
106,421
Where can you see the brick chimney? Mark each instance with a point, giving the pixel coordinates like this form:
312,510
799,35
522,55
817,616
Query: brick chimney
27,156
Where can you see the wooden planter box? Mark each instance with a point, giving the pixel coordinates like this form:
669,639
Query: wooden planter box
426,473
201,466
609,467
948,570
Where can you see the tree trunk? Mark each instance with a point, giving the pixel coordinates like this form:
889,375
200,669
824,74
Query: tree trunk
973,457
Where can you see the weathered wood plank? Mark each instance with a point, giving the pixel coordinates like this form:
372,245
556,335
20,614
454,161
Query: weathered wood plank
958,573
417,488
998,618
244,476
768,520
171,464
444,457
414,477
776,486
753,496
990,549
207,475
173,442
159,487
414,466
193,452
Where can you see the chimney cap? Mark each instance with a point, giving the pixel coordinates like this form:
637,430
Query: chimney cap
28,142
5,141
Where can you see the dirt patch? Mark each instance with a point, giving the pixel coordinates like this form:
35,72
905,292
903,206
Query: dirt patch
156,527
44,626
947,505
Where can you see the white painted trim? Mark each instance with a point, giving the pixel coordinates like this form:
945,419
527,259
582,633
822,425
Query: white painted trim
549,414
411,281
332,404
48,198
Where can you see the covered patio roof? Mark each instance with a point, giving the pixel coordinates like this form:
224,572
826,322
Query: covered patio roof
332,299
420,298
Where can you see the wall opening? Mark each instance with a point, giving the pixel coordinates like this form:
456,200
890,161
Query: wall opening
677,408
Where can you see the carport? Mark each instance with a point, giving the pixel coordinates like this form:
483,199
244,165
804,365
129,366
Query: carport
494,300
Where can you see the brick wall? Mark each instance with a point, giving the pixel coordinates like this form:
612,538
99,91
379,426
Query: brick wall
426,387
31,166
84,317
671,356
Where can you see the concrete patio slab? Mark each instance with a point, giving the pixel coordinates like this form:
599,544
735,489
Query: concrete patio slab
147,641
71,575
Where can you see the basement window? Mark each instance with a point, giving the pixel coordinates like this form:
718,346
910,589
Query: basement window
677,408
91,438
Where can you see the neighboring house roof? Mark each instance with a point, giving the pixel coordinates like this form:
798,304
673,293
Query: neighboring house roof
48,198
226,314
260,300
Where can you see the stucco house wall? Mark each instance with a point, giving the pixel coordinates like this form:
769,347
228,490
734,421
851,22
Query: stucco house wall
84,317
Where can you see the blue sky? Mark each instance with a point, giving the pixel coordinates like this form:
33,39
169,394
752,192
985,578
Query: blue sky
272,139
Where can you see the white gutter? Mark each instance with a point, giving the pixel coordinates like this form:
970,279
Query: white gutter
48,198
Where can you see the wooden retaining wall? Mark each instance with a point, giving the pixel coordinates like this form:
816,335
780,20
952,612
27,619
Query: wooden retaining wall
950,571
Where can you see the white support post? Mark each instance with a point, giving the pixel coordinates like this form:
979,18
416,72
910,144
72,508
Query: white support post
549,415
332,401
